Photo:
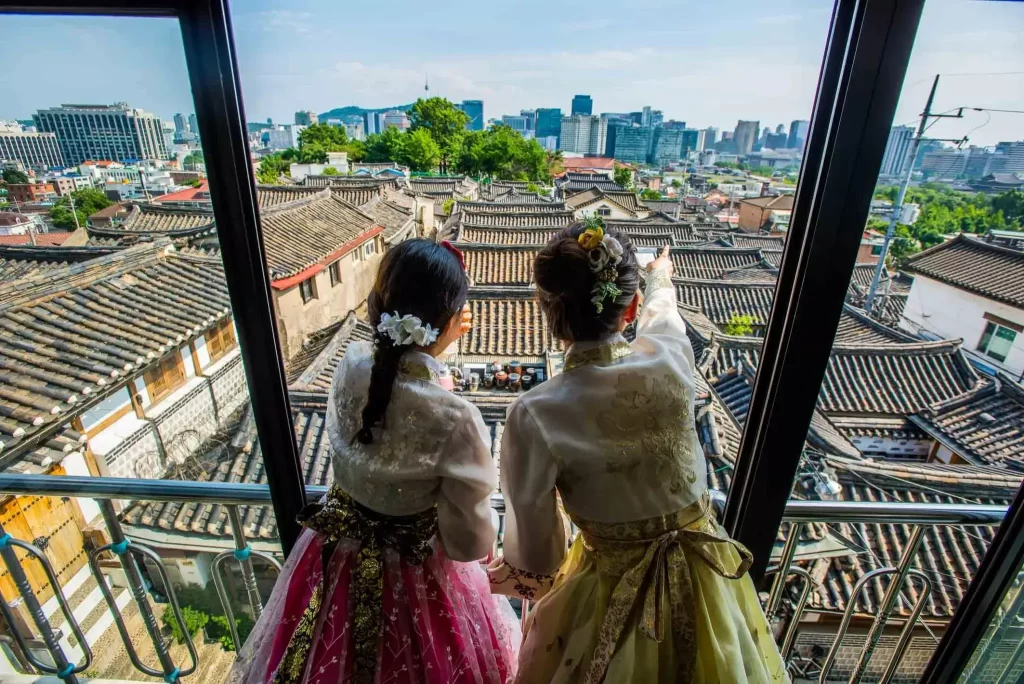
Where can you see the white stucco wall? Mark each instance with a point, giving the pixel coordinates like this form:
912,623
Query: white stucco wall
952,313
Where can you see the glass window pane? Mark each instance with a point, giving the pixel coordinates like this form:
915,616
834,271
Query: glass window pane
909,410
118,353
998,657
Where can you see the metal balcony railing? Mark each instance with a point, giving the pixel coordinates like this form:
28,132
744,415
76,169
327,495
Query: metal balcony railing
232,495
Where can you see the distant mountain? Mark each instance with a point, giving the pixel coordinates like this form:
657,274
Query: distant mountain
352,110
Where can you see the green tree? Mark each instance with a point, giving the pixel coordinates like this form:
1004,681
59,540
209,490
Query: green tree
87,202
676,183
445,124
902,247
192,160
194,183
317,140
385,146
650,194
623,175
273,166
331,171
532,187
194,619
501,152
14,176
447,205
1011,204
740,324
419,151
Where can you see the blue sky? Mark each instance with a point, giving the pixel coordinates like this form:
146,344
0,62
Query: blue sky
706,63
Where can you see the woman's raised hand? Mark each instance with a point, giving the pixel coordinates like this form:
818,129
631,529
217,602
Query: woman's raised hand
663,262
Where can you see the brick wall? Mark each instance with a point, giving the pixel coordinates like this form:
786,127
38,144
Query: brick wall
182,427
911,667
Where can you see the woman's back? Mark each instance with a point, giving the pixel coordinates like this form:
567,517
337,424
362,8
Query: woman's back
618,424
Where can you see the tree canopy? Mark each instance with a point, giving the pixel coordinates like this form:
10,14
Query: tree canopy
420,152
15,176
192,159
650,194
87,202
317,140
945,212
445,124
623,175
501,152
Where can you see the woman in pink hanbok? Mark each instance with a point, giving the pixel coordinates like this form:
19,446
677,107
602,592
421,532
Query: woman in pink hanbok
384,586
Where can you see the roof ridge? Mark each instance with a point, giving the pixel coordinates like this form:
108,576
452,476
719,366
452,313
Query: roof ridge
18,293
902,349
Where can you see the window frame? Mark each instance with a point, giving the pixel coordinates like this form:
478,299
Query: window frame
220,341
334,271
208,45
167,375
989,335
310,285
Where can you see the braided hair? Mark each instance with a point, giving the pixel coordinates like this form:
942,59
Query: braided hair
419,278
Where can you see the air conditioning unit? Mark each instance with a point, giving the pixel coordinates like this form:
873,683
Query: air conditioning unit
909,214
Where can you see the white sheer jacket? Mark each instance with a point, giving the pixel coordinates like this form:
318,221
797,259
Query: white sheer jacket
433,449
614,434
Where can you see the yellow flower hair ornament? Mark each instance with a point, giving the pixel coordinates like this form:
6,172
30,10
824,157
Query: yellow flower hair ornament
605,253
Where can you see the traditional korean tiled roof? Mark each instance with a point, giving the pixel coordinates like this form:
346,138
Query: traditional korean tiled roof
313,367
239,460
894,379
505,236
434,185
23,261
720,300
270,196
681,233
301,233
856,327
492,265
984,426
513,207
974,265
760,272
624,199
397,220
42,459
357,195
701,263
769,242
152,220
522,197
507,324
735,387
518,219
949,555
68,335
588,182
669,207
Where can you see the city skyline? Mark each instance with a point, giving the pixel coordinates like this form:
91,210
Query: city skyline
310,68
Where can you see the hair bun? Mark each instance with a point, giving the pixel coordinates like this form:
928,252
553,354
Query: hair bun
563,268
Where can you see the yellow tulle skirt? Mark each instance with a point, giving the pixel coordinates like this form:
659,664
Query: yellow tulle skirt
660,600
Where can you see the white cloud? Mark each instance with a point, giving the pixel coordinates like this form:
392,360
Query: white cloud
299,22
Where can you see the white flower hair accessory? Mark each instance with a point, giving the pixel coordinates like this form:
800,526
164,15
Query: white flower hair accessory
405,330
605,254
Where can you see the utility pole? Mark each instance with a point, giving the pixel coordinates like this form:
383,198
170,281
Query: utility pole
74,213
897,206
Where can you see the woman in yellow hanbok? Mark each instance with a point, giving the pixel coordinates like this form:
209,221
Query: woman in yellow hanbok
652,590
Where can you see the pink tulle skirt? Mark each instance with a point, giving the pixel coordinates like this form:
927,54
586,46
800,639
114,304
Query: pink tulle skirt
440,624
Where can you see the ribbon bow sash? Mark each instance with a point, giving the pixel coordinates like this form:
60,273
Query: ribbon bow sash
662,576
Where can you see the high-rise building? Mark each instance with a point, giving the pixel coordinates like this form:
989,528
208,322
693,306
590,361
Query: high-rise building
709,139
549,123
628,143
35,150
193,125
657,117
944,164
371,122
645,116
666,145
672,123
780,129
103,132
585,135
897,151
180,123
582,105
745,136
355,131
1012,157
516,123
395,119
776,141
531,118
797,135
474,109
691,138
306,118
